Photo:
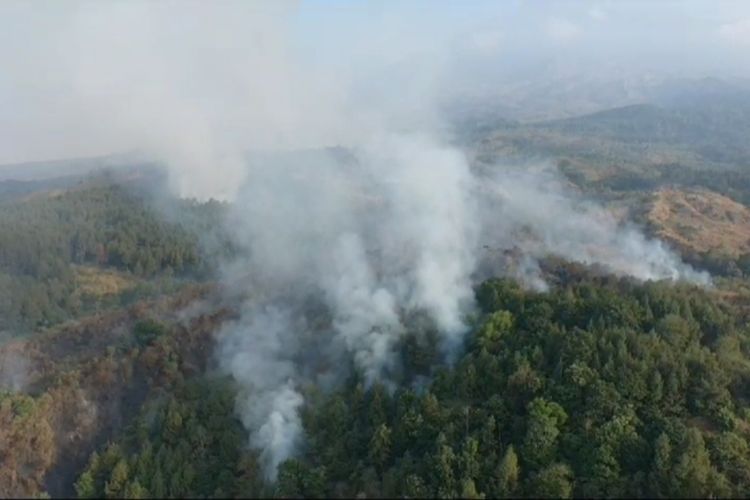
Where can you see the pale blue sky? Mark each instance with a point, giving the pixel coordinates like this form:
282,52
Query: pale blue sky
634,29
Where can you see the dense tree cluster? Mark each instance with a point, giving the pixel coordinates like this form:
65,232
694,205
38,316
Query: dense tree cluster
598,389
603,387
42,239
186,444
100,225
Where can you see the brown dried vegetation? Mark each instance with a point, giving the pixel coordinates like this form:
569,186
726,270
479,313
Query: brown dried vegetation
85,380
701,221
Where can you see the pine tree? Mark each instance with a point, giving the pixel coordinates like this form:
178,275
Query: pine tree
443,462
158,486
135,490
414,487
693,467
661,471
543,429
173,423
554,481
85,487
289,483
470,459
380,446
469,490
507,474
117,480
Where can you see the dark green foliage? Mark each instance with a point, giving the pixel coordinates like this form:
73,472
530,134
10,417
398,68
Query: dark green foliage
42,240
601,388
96,225
187,444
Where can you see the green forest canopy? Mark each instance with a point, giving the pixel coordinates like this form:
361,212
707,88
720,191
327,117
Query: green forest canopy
44,238
603,387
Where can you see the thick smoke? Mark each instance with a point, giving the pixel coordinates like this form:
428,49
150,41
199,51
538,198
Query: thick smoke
531,210
393,228
262,358
339,244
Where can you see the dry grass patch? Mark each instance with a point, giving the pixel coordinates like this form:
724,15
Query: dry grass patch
97,282
701,221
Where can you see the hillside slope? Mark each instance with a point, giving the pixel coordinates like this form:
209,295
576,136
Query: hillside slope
701,221
74,388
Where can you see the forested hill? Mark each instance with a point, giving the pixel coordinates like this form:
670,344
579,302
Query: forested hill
66,252
599,387
714,135
692,140
602,387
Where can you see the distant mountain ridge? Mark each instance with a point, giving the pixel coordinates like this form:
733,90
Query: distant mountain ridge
542,100
46,169
697,124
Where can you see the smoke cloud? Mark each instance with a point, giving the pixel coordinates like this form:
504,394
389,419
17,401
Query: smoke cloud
339,244
532,211
391,228
261,359
14,369
388,230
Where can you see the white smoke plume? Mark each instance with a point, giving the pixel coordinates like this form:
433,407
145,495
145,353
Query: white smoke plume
14,369
390,226
389,230
262,360
531,210
366,314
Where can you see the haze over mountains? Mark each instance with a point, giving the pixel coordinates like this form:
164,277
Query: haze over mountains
288,249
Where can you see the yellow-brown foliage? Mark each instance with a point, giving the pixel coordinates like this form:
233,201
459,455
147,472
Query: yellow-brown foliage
98,282
701,221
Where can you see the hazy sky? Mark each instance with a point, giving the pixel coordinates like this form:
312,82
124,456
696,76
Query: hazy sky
93,77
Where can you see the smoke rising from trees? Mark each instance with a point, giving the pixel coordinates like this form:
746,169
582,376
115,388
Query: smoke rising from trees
394,229
394,226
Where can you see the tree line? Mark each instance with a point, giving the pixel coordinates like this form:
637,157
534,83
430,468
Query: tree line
44,238
603,387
